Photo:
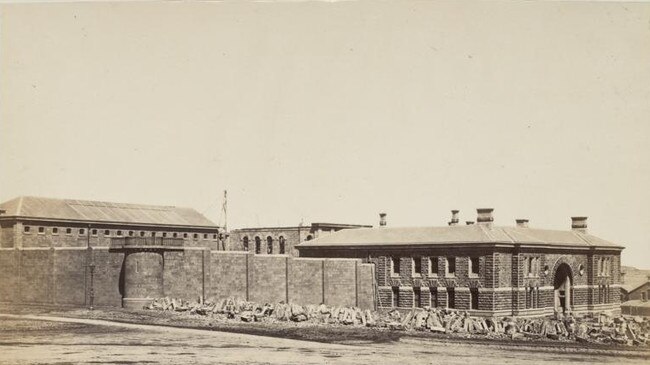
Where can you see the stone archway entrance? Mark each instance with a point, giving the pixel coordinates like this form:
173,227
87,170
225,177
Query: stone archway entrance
562,284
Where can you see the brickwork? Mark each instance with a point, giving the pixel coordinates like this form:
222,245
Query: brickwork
69,287
267,278
366,286
143,275
9,275
183,274
6,235
340,282
228,276
306,281
108,277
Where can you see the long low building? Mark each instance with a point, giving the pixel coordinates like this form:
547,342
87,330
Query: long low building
482,268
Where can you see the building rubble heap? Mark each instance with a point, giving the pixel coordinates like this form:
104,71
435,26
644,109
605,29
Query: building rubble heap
603,328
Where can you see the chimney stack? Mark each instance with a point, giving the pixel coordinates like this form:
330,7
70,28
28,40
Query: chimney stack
469,223
454,218
522,223
579,224
382,219
485,216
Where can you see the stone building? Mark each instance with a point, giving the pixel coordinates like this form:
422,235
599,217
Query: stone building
281,240
482,268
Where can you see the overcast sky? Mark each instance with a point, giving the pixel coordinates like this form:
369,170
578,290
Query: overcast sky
336,111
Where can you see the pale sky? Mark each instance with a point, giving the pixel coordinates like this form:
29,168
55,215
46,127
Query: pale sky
333,112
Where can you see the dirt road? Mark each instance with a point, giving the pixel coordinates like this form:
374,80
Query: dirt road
26,339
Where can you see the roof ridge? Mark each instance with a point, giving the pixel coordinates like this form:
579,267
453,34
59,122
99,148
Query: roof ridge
20,205
582,238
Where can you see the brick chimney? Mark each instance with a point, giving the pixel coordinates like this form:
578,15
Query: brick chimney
454,218
484,216
522,223
382,219
579,224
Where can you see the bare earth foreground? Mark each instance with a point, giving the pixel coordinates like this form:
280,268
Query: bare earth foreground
41,339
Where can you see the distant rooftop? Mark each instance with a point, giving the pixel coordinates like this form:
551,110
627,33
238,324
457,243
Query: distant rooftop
96,211
469,234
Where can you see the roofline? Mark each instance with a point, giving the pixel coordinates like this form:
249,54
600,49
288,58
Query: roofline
309,226
55,220
304,244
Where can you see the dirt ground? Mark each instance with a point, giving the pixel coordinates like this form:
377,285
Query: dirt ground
46,336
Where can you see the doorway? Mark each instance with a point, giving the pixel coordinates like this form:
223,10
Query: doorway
563,286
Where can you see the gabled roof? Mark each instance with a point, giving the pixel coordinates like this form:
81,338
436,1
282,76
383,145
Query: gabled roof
95,211
469,234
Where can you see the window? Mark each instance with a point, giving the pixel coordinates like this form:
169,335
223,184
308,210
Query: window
214,236
93,232
394,266
395,296
68,231
434,296
141,233
175,234
184,235
530,266
310,237
417,266
258,245
269,245
130,233
55,230
644,297
245,241
107,232
195,236
41,229
417,297
451,298
164,234
473,298
82,231
433,266
119,233
26,229
473,266
281,241
451,267
153,234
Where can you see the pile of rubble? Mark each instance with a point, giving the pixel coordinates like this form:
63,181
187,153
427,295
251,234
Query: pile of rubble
625,330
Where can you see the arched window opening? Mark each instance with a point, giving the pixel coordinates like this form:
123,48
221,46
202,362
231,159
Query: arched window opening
281,241
258,245
269,245
245,243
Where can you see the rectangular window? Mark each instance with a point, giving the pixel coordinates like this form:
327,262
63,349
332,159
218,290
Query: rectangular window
164,234
434,296
473,298
214,237
474,265
451,266
184,235
94,232
153,234
195,236
68,231
175,234
205,235
107,232
119,233
433,266
82,231
130,233
417,297
395,297
55,230
394,266
26,229
41,229
451,298
417,266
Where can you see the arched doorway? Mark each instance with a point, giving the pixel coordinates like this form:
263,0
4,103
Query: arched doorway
562,283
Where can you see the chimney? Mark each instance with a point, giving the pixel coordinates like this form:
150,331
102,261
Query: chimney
579,224
522,223
469,223
484,216
454,218
382,219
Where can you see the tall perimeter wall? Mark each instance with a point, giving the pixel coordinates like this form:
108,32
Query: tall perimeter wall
71,276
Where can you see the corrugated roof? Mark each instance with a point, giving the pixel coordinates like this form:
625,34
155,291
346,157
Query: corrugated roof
96,211
476,233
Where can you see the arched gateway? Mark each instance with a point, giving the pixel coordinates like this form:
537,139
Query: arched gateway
562,283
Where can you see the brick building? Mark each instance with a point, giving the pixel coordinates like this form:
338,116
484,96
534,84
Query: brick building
86,253
482,268
281,240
